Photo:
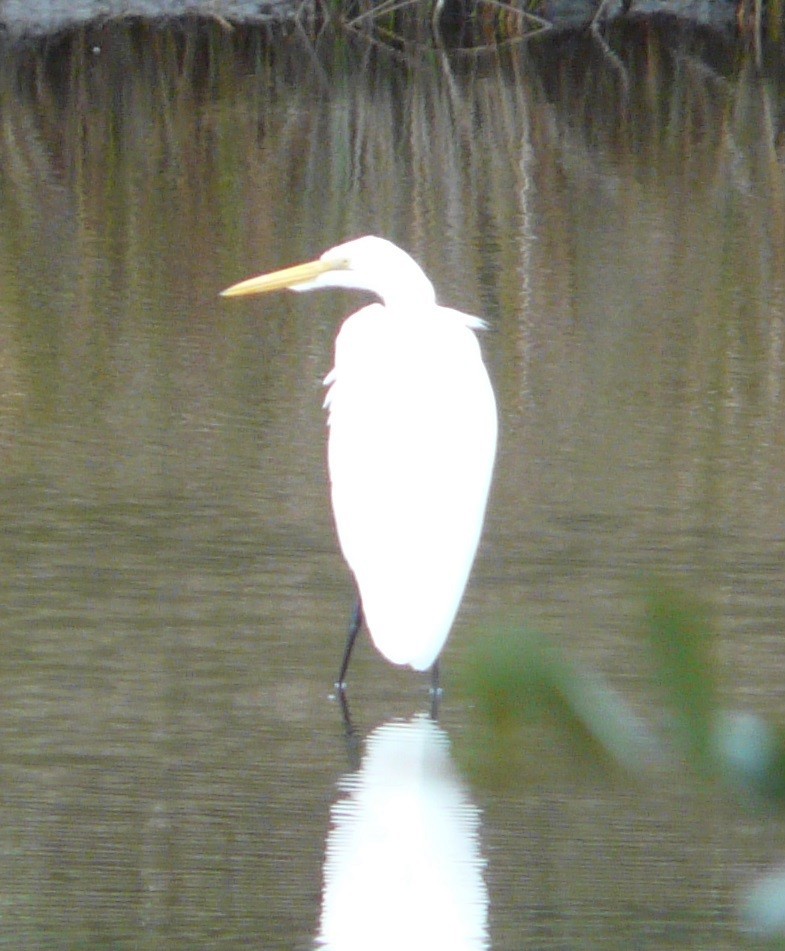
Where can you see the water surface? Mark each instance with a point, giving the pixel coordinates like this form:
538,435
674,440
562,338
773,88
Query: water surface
173,765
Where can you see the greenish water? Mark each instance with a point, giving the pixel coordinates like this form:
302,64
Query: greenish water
174,599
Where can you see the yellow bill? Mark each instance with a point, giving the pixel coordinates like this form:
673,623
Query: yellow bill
290,277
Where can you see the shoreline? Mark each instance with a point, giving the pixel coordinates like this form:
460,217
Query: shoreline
35,20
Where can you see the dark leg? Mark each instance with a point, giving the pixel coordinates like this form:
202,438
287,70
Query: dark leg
435,676
435,691
353,748
354,626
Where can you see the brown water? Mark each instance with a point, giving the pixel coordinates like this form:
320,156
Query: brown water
174,600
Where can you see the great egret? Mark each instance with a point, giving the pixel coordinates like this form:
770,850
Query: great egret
412,439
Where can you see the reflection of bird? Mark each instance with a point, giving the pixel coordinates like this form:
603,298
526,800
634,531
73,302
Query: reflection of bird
412,441
403,869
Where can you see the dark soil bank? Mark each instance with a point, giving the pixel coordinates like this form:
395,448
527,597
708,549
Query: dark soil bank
21,19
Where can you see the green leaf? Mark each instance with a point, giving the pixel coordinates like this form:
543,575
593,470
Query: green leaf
519,683
682,645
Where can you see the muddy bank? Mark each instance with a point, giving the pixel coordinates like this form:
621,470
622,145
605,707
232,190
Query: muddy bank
31,18
20,19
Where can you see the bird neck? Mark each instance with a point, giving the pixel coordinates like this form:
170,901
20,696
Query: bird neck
414,295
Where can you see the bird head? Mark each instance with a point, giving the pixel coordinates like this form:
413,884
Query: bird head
367,264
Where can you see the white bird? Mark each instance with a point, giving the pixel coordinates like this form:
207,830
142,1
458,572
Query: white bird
412,440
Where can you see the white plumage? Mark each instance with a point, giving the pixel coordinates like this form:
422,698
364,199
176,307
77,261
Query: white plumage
412,440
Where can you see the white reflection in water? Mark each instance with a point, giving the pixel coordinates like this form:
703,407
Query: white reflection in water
403,868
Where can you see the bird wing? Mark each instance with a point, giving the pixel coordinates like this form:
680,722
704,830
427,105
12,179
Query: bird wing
412,440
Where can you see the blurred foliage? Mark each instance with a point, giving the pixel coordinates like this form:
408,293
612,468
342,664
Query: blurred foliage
681,641
763,908
527,697
750,752
520,682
